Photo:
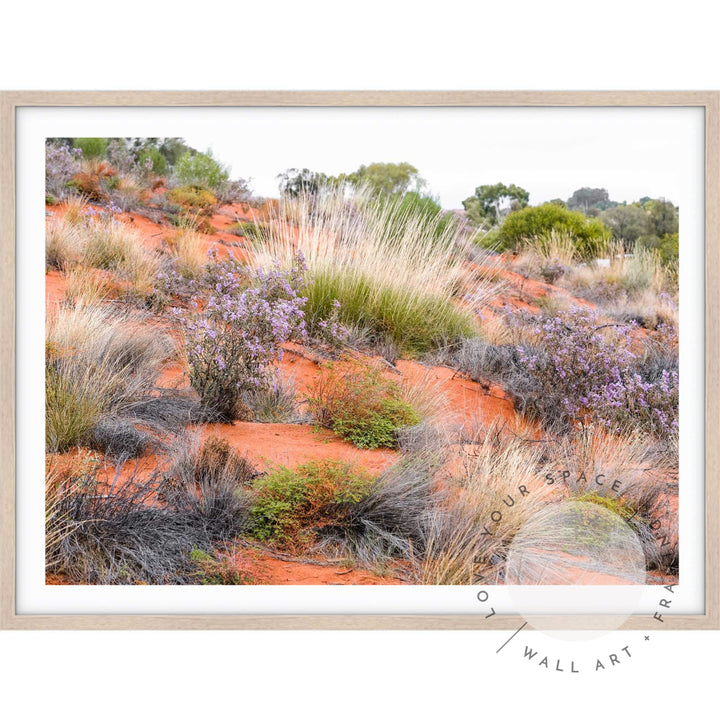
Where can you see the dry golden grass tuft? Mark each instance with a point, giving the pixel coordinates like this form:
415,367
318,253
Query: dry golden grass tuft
395,273
188,249
106,244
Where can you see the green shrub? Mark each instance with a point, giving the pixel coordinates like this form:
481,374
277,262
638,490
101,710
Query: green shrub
92,147
201,169
159,163
361,405
192,196
590,235
291,507
411,290
667,247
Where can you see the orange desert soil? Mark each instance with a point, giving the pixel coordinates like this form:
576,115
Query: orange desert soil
467,403
266,569
270,444
55,284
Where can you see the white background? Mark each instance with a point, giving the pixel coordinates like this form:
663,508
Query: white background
382,45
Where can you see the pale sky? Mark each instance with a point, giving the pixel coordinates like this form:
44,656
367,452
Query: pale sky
550,152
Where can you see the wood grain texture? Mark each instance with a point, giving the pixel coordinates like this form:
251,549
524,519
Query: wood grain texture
7,361
712,361
353,98
710,101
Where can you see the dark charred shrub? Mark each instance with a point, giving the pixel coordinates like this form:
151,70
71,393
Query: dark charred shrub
142,526
392,520
119,438
170,410
114,533
208,482
360,405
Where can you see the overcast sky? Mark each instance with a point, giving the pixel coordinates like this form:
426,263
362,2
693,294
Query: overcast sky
550,152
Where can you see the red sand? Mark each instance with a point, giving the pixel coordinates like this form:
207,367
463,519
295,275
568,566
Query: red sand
269,444
55,284
265,569
465,402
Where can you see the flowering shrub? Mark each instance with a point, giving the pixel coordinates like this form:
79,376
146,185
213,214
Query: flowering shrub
588,371
61,164
330,331
235,337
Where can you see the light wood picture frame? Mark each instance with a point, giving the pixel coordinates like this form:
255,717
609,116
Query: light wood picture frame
10,102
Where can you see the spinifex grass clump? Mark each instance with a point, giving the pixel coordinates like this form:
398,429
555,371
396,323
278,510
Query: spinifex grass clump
98,363
95,239
402,285
187,249
587,370
392,522
235,336
361,405
292,506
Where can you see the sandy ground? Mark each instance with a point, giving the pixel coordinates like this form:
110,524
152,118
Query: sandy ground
464,402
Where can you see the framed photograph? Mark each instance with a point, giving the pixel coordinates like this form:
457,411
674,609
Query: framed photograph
360,360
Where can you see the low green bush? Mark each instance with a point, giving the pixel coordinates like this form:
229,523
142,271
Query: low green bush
92,147
246,228
291,507
212,570
192,196
154,160
360,405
